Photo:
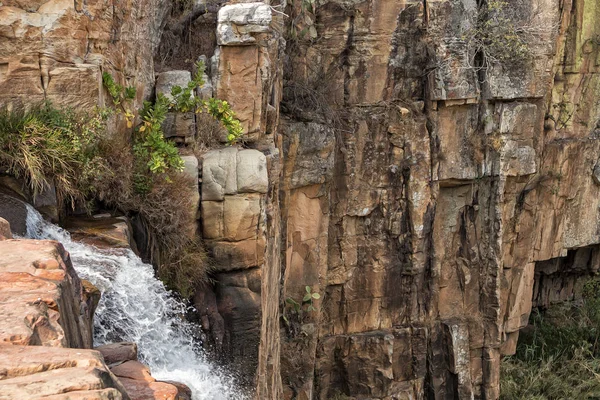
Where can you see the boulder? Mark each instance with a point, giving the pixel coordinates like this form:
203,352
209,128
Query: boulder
5,232
167,80
118,352
241,216
219,174
133,370
251,172
142,390
183,391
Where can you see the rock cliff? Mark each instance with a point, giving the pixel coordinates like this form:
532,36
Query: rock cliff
428,191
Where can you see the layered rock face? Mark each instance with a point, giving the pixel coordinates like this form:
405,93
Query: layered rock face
46,326
423,218
56,50
428,195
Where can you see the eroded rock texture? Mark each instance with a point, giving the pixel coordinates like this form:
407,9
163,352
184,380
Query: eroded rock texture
57,50
429,197
424,201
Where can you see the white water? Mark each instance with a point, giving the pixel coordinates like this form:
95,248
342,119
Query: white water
136,307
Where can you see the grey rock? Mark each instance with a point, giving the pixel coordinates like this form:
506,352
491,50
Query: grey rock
252,172
237,23
167,80
219,174
311,147
179,125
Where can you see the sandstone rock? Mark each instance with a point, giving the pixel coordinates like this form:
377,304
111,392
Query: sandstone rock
241,216
5,232
251,170
239,303
213,220
236,218
190,165
219,174
183,391
31,372
133,370
47,57
238,255
518,160
118,352
310,153
141,390
41,296
167,80
101,231
205,302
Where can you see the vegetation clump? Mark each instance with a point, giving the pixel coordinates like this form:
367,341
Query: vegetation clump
138,174
503,32
559,356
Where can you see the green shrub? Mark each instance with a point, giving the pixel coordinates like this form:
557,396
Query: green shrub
45,146
184,101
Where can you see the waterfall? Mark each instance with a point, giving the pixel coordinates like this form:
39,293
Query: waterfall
136,307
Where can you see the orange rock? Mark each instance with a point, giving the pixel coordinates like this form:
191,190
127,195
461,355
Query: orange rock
133,370
5,232
143,390
33,372
41,296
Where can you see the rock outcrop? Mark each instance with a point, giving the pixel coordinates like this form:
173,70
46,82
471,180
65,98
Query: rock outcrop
430,196
42,298
46,326
34,372
46,323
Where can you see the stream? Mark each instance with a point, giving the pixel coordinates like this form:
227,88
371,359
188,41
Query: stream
136,307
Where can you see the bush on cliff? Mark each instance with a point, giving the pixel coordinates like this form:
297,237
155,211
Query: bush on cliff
46,146
503,33
558,357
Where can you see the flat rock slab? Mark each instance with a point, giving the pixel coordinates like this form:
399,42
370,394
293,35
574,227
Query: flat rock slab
33,372
41,296
100,232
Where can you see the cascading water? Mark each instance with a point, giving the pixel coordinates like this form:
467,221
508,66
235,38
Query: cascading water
136,307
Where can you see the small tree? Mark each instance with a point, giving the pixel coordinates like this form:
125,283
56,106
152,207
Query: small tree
505,33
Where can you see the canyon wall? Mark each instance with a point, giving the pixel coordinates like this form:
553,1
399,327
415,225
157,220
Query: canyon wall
428,197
